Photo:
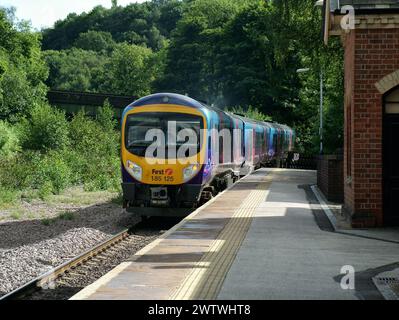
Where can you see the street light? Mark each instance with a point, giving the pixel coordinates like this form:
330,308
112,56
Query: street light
304,70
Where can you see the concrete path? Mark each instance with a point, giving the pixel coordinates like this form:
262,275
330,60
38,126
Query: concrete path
286,255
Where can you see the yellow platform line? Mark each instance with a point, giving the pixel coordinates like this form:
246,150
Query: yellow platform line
207,276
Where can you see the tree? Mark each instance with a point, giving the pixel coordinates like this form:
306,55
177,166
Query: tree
250,69
192,56
129,71
75,69
22,69
299,24
137,23
98,41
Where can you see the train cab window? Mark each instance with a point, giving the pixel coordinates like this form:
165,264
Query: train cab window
138,124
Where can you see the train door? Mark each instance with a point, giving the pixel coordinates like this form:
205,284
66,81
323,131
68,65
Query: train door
238,142
249,144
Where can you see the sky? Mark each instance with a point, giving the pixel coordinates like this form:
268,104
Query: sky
43,13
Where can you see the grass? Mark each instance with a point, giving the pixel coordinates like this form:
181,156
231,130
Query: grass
7,198
17,205
16,215
79,197
118,199
47,221
67,216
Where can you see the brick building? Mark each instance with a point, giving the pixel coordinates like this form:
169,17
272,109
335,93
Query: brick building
371,156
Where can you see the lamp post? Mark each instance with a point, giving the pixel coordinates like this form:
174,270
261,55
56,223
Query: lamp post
304,70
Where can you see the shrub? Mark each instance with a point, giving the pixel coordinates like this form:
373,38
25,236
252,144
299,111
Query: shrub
7,196
14,171
96,145
50,174
9,142
105,117
46,130
56,154
250,112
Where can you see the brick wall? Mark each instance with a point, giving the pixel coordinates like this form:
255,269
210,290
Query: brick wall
330,177
370,55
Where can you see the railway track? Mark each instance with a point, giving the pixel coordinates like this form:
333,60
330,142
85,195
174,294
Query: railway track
47,280
65,280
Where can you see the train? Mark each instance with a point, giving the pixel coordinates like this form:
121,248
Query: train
177,153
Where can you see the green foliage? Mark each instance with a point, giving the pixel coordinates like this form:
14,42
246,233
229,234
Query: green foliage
7,197
192,58
129,71
105,117
75,69
51,174
22,69
47,129
95,41
250,112
96,151
57,154
9,142
47,221
68,216
300,29
41,153
146,24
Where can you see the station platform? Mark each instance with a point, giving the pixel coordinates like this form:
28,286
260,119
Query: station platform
264,238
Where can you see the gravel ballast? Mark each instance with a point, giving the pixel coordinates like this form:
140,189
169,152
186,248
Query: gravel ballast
31,247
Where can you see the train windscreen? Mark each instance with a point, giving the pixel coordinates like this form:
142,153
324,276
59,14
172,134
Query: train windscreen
171,129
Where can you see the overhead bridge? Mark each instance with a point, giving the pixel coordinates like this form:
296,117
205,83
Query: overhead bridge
73,101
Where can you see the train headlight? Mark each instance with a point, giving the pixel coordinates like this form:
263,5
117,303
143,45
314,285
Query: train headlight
190,171
134,169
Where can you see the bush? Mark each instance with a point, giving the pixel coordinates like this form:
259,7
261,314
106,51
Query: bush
46,130
50,174
250,112
7,196
105,117
9,142
14,171
97,150
57,154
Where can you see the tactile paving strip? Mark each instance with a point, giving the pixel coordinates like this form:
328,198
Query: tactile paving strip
206,278
388,286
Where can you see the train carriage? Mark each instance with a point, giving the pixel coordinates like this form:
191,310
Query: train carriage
177,152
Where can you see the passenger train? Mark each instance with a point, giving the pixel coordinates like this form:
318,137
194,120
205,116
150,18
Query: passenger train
167,174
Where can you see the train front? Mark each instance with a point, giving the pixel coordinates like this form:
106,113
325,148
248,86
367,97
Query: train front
162,155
